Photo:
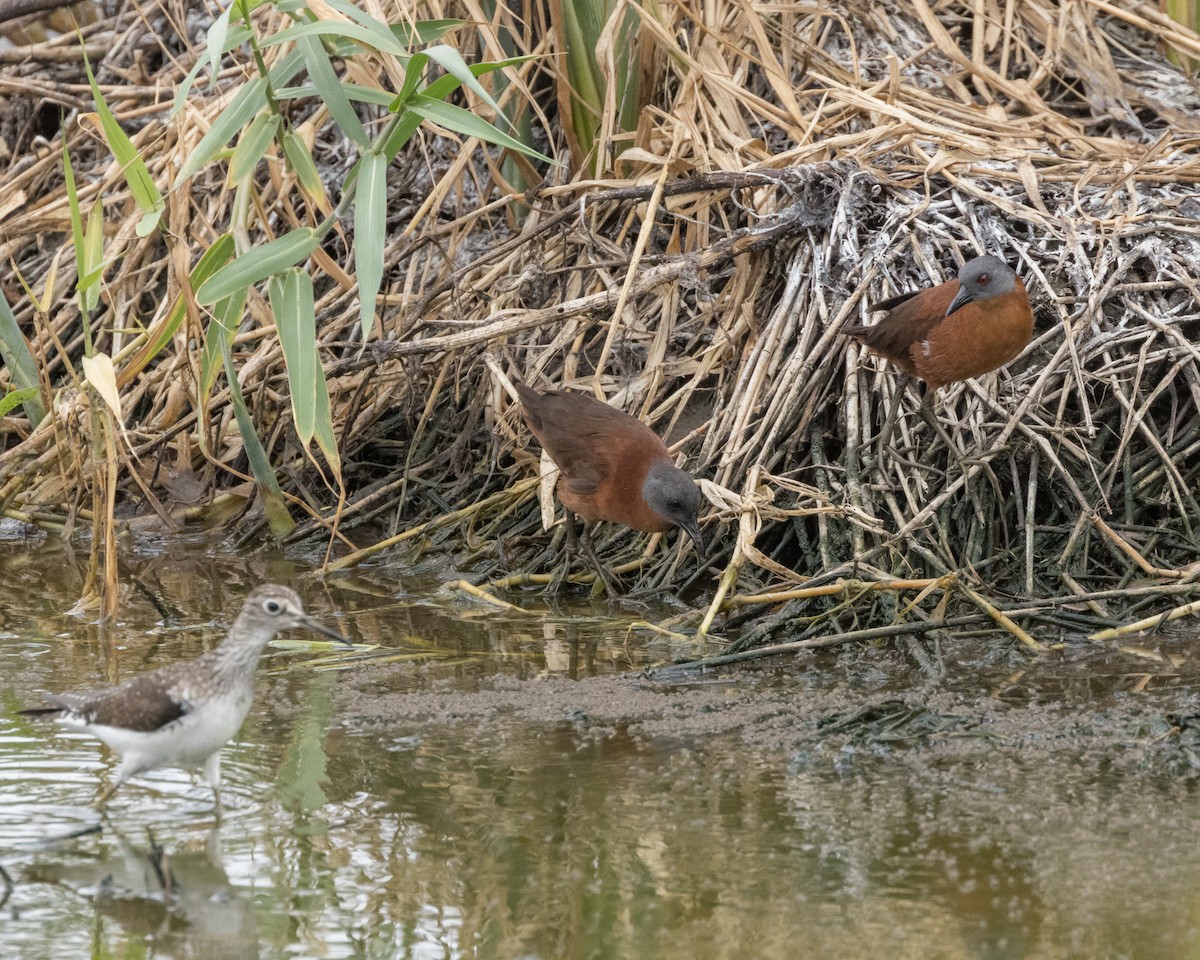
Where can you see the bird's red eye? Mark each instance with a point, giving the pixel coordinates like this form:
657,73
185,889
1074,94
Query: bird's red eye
983,280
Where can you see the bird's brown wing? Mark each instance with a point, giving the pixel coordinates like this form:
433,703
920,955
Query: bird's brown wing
148,702
582,435
911,318
892,303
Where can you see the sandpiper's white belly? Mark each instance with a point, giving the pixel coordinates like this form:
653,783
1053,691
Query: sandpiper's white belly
187,742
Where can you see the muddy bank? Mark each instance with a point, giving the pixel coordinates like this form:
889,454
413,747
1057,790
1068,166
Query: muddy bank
1109,707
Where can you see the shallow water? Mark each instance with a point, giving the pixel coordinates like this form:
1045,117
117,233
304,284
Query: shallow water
352,832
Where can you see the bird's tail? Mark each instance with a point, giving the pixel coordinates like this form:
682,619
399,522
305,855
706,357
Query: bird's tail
42,713
527,394
531,405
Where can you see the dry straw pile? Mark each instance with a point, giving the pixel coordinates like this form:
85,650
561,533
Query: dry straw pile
792,163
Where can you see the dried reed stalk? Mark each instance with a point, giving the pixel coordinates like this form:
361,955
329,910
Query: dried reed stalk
793,164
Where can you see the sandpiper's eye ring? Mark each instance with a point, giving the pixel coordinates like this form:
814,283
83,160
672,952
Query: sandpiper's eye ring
273,607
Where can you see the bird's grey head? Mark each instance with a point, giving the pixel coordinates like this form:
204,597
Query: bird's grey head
674,495
981,279
272,608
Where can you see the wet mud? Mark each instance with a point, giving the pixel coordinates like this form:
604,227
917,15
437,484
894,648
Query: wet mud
1110,708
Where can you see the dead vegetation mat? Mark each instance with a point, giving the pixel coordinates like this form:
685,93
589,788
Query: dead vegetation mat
792,164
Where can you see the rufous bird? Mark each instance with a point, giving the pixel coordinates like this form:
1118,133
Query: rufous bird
611,467
961,328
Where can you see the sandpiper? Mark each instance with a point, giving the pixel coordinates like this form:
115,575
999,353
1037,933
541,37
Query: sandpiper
182,714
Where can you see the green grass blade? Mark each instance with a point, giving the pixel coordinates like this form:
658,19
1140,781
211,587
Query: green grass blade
15,398
258,264
248,101
516,109
243,8
441,88
215,257
253,144
413,74
322,74
464,121
133,168
77,234
353,92
185,87
424,31
22,369
227,313
340,29
218,338
377,27
93,258
278,518
218,33
370,233
409,34
302,163
581,24
452,62
291,297
323,421
236,37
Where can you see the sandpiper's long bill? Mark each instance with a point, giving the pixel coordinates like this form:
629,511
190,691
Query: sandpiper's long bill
182,714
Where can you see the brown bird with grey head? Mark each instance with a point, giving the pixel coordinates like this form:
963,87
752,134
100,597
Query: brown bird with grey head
612,467
182,714
961,328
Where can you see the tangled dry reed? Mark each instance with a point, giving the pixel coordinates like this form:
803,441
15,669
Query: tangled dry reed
792,165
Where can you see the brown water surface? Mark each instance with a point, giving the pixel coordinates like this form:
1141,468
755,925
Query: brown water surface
503,785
